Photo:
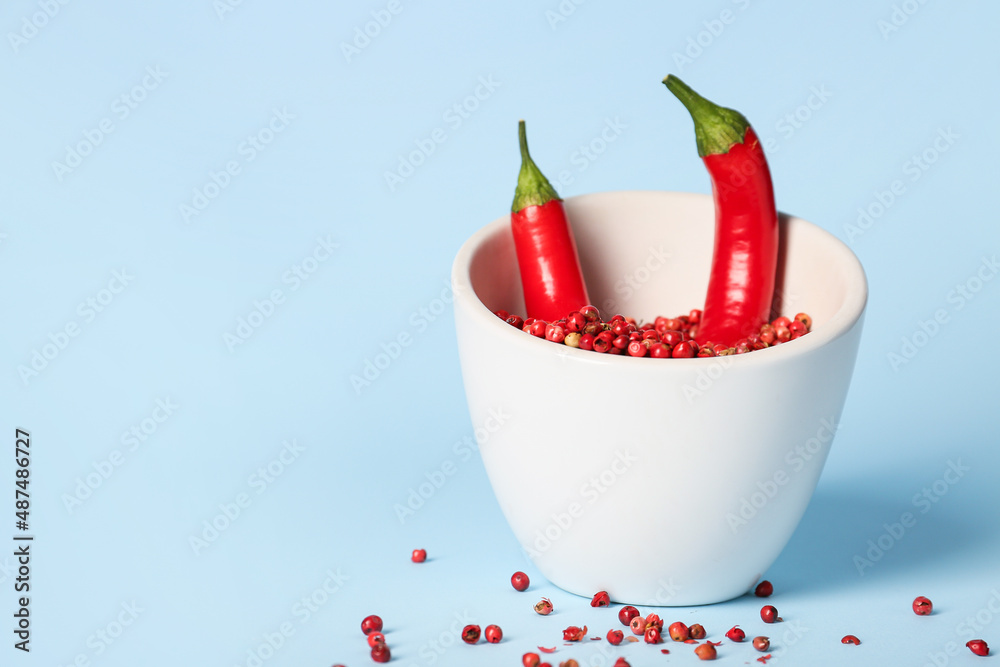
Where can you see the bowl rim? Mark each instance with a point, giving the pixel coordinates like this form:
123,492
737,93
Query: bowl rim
842,321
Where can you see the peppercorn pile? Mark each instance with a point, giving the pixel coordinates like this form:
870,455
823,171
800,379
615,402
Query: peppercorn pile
649,628
664,338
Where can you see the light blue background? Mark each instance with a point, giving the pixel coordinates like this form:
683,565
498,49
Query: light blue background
886,97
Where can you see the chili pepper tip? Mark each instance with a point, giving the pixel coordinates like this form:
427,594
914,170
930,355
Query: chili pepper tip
533,189
716,128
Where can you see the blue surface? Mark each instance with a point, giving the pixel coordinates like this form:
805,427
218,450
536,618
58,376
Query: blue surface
287,136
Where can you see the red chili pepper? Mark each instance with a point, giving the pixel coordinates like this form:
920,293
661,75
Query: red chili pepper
546,252
745,258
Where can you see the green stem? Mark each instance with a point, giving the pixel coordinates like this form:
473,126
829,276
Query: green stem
716,129
533,189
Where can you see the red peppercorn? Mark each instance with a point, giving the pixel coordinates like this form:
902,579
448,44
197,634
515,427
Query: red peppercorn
519,580
652,636
782,334
850,639
380,653
978,646
591,313
555,333
697,631
659,351
621,342
575,321
684,350
593,328
797,329
654,621
637,349
493,634
637,625
470,634
543,607
621,662
764,589
780,322
615,351
761,643
627,613
705,651
767,334
376,638
515,321
769,614
537,328
600,599
419,555
574,633
678,631
602,342
502,314
587,342
569,663
621,328
530,659
671,337
694,317
371,624
615,637
650,335
616,318
805,319
922,606
736,634
707,351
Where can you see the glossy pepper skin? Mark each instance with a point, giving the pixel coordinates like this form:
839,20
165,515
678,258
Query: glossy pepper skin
546,251
745,256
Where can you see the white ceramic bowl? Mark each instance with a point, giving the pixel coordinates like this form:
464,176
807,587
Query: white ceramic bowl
662,481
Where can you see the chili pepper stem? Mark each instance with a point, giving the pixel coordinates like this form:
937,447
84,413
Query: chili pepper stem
533,189
716,128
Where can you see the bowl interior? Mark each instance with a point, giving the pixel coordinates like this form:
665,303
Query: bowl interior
646,254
